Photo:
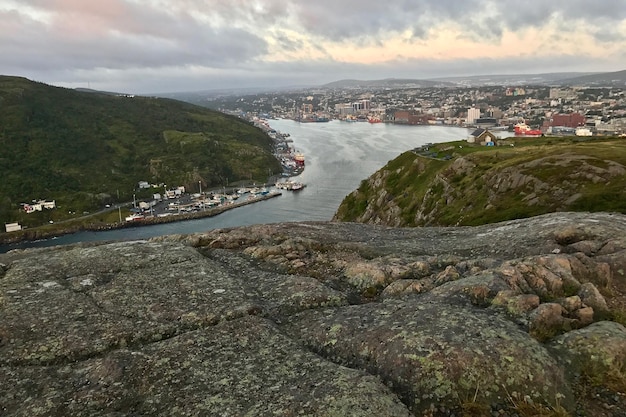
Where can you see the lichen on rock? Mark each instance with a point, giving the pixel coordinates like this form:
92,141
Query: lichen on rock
320,319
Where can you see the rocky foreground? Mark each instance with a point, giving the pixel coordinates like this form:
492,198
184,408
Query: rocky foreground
325,319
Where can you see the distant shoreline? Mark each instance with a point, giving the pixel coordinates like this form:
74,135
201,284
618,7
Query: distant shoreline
37,234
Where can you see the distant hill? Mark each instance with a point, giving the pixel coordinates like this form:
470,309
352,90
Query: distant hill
605,79
458,184
85,149
557,78
386,83
91,90
512,79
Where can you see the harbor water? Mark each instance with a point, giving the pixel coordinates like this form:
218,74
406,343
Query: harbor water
339,155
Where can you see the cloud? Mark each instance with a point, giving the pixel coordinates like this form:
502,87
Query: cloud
265,41
121,37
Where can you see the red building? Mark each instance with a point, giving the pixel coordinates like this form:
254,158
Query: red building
568,120
411,118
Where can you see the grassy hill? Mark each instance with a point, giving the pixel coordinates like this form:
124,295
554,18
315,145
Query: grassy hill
460,184
85,149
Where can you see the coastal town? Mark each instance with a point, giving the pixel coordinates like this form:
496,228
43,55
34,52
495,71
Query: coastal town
525,110
535,110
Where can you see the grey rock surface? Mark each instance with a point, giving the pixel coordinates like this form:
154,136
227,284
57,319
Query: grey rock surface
320,319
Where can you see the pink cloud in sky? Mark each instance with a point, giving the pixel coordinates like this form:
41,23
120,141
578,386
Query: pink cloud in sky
321,38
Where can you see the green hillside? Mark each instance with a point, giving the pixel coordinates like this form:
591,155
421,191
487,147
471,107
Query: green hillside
87,149
460,184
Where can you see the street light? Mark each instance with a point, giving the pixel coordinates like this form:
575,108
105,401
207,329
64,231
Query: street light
200,185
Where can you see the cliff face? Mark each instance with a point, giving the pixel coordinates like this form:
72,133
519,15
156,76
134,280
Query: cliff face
487,185
322,319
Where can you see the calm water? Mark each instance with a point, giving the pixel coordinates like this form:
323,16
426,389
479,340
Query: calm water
338,156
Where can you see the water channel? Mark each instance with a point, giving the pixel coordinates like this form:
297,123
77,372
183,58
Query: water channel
338,156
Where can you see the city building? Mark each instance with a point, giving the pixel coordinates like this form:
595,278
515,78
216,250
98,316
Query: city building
361,105
344,109
485,122
567,120
472,115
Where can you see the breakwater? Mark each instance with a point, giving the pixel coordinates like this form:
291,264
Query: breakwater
39,233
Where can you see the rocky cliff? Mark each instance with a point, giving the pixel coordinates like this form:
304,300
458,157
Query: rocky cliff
460,184
326,319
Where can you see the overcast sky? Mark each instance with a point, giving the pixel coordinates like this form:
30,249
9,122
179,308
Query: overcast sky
154,46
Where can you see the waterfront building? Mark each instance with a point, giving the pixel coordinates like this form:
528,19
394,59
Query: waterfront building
572,120
472,115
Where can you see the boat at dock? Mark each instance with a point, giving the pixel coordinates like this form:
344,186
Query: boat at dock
299,159
290,185
134,217
313,118
522,129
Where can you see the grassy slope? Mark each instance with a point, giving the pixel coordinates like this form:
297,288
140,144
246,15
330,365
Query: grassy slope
78,147
492,184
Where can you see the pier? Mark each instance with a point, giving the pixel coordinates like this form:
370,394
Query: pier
174,217
38,233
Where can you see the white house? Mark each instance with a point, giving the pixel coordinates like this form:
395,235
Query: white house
583,131
39,206
12,227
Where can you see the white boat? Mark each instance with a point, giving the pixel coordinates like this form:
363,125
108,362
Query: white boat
290,185
134,217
